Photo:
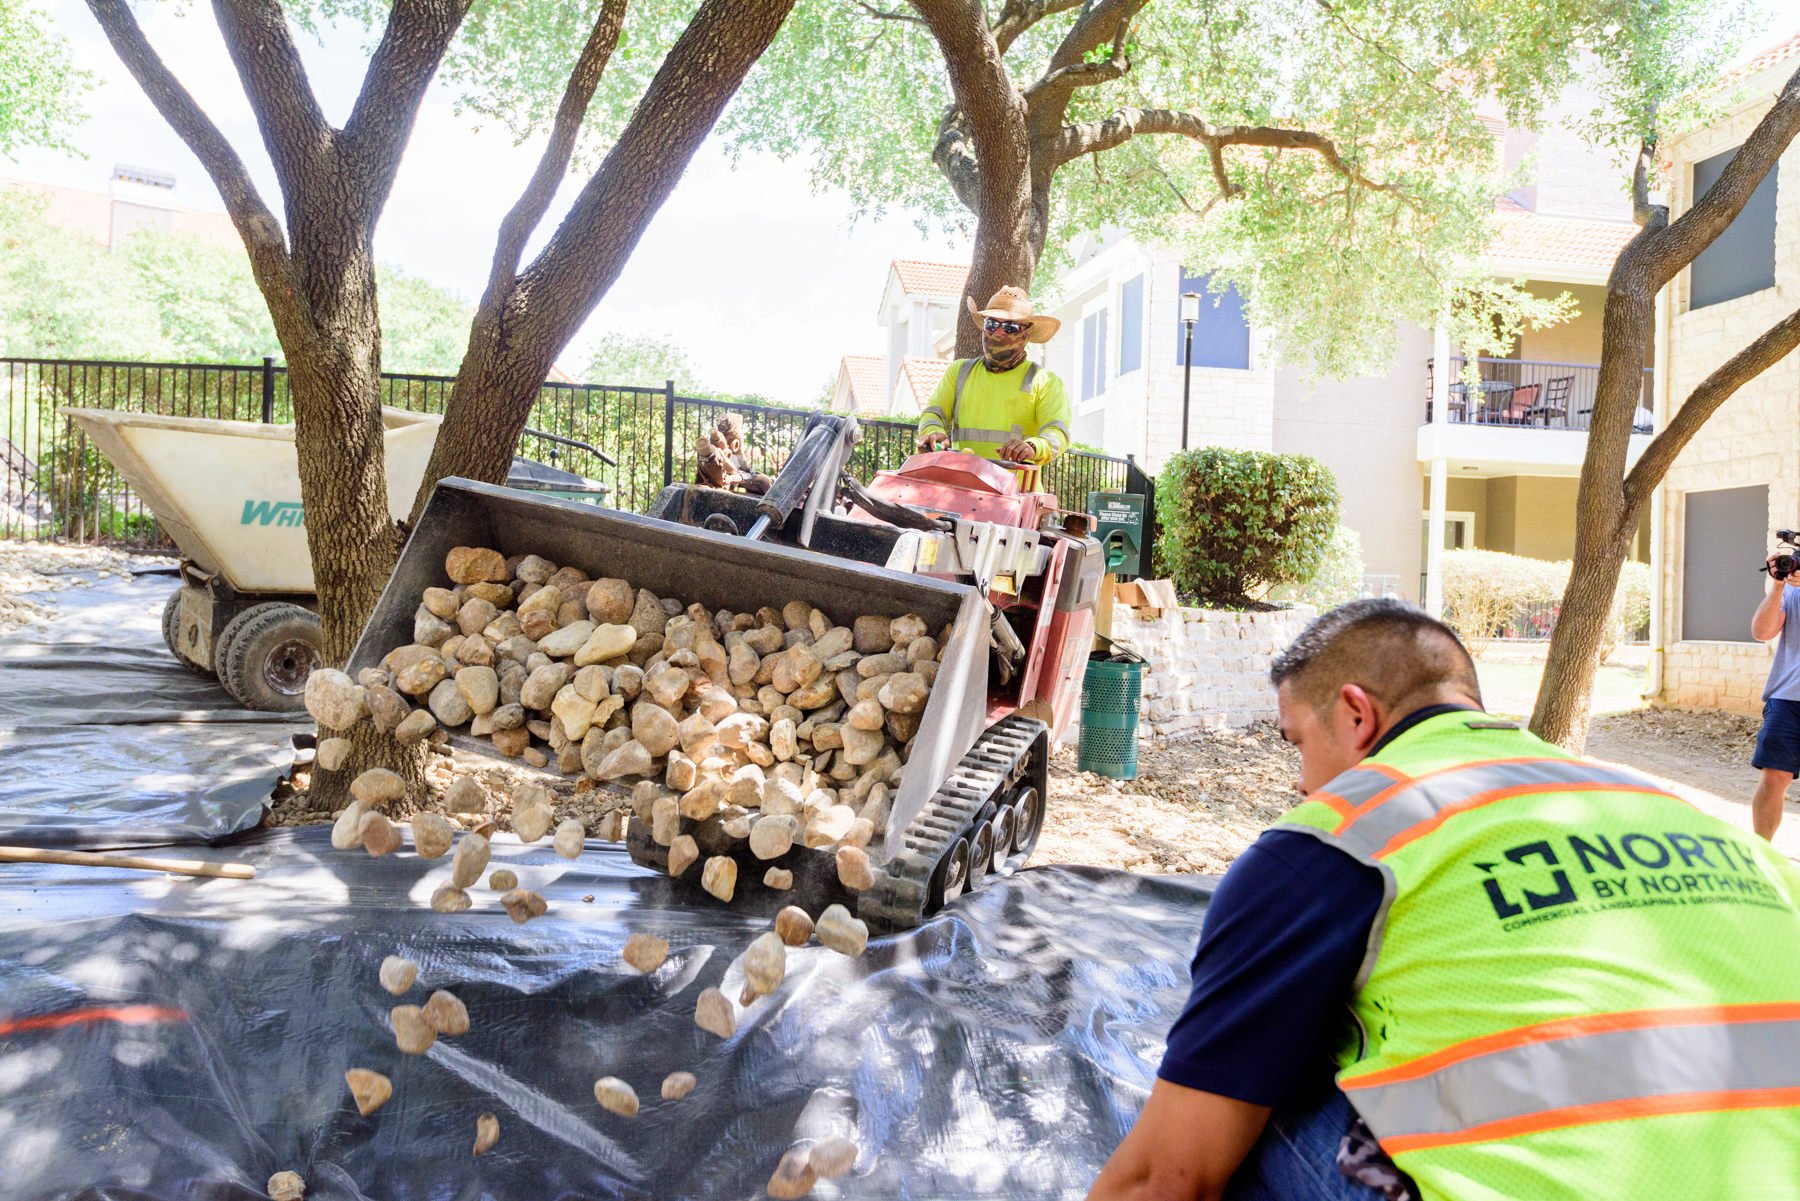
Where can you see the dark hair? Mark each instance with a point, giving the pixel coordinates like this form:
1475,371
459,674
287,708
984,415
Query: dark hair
1392,649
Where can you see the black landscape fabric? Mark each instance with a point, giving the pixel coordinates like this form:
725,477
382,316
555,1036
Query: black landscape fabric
109,742
182,1039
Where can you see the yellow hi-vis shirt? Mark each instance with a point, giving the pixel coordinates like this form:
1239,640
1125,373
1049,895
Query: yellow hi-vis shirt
982,411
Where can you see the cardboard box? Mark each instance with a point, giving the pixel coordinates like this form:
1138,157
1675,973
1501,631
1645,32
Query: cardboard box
1149,597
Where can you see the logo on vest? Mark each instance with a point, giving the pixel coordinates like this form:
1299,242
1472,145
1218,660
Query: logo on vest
1546,880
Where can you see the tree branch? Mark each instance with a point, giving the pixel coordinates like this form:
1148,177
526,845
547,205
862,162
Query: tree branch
299,140
534,201
1775,344
1019,16
1095,136
1101,21
1653,216
415,41
264,240
955,159
882,14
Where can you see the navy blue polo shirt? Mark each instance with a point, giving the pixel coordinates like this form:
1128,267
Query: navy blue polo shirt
1283,938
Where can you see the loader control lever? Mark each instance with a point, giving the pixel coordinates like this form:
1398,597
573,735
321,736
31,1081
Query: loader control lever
822,454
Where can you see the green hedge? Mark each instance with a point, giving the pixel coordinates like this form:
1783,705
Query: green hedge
1235,523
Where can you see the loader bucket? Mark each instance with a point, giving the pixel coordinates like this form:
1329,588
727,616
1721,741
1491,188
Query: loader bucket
717,570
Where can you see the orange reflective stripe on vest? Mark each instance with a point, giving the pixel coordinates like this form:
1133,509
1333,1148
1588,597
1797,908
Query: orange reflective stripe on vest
1579,1070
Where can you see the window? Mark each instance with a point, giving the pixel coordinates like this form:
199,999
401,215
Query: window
1221,335
1723,539
1131,325
1742,259
1093,354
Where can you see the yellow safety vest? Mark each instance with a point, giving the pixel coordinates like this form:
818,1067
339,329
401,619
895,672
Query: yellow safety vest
1578,986
982,411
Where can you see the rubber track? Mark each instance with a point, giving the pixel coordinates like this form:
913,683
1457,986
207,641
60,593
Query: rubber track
897,901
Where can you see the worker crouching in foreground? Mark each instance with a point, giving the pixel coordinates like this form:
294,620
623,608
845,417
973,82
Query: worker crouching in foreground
1001,406
1566,983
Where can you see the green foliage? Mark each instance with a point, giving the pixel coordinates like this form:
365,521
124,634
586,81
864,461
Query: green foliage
1236,522
640,362
173,296
1338,579
1327,265
40,87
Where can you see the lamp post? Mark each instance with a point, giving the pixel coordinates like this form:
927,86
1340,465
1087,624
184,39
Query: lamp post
1190,313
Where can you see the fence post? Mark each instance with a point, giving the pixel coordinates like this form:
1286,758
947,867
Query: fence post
668,432
1137,475
268,382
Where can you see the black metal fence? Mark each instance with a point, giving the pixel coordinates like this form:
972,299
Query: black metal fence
1531,394
54,484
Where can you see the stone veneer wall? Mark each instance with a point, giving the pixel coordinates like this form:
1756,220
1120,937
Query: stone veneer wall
1208,669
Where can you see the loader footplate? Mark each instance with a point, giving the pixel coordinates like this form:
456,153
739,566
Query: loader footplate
983,821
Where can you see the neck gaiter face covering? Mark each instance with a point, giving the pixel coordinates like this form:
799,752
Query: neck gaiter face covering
1001,351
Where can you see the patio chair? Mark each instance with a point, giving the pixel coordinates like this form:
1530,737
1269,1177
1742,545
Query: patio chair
1519,406
1556,402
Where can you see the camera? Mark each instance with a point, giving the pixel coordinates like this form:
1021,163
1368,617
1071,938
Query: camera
1786,565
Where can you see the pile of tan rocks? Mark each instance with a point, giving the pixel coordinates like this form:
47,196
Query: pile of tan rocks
782,726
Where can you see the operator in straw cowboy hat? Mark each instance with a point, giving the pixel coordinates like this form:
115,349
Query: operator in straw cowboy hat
1001,406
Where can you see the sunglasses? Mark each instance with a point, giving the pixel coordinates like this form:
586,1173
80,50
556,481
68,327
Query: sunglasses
994,325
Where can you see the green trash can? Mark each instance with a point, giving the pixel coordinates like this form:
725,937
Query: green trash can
1109,716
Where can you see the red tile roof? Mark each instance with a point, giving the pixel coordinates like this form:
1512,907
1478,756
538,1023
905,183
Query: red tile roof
1530,237
918,278
919,378
1763,60
866,375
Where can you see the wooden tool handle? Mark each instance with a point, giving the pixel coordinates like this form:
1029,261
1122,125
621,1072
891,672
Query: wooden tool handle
147,863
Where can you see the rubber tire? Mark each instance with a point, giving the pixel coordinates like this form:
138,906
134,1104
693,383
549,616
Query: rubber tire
171,612
249,644
1028,823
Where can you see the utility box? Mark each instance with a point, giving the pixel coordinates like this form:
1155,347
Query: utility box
1119,525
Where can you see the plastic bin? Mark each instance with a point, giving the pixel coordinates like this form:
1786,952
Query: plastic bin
1109,717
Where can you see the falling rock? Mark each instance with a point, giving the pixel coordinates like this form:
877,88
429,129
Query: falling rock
861,747
449,899
682,853
842,933
682,772
470,860
719,877
765,963
654,727
702,801
346,831
854,869
445,1013
832,1157
861,831
331,753
487,1133
616,1096
793,926
794,1176
677,1085
778,878
522,904
612,826
531,821
571,836
286,1186
432,835
370,1090
665,820
771,837
418,726
398,973
334,699
475,565
632,759
713,1013
411,1033
645,952
781,797
377,834
606,642
566,641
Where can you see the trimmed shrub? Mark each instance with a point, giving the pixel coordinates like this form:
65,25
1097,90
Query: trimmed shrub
1339,578
1489,595
1235,523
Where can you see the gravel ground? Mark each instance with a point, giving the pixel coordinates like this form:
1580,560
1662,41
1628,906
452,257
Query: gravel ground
41,567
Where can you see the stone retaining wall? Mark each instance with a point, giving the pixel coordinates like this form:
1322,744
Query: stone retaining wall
1208,668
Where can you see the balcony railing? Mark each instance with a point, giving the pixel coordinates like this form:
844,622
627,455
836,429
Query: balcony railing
1529,394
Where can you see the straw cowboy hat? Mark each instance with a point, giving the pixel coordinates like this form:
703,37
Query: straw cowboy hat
1012,304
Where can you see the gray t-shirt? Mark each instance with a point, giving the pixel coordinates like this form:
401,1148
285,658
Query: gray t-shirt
1784,676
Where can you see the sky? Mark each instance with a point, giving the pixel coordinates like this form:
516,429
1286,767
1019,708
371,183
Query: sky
763,283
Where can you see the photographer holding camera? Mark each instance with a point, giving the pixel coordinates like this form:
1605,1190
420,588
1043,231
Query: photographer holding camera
1778,744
